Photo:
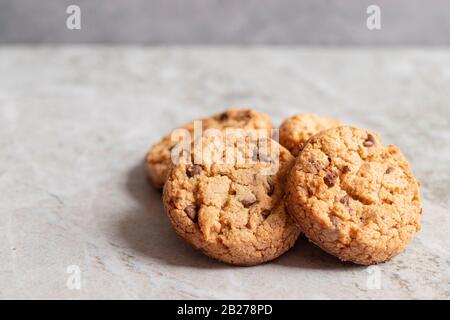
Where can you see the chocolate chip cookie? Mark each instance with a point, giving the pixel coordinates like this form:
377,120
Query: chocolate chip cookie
233,210
296,130
158,159
354,197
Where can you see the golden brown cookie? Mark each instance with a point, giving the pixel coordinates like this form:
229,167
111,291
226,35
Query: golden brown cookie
354,197
296,130
234,211
158,158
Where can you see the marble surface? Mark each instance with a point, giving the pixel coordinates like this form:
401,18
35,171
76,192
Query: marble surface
76,122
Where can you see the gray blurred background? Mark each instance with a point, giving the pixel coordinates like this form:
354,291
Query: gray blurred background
180,22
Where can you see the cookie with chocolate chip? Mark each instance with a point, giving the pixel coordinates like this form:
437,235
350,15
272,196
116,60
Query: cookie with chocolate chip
354,197
158,159
231,207
297,129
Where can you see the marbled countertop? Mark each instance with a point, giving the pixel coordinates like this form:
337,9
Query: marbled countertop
75,124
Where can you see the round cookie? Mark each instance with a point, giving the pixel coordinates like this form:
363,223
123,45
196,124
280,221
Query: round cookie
354,197
296,130
158,158
232,211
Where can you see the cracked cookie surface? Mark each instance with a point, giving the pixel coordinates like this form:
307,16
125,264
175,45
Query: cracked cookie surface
354,197
297,129
233,211
158,158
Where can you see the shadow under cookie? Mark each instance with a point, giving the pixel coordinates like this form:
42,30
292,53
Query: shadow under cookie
306,255
146,228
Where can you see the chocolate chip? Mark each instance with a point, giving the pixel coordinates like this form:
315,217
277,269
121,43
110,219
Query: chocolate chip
390,170
271,188
265,213
262,157
172,205
346,169
335,220
316,165
265,158
245,115
370,141
301,145
194,170
330,179
255,155
248,202
344,200
191,212
223,117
